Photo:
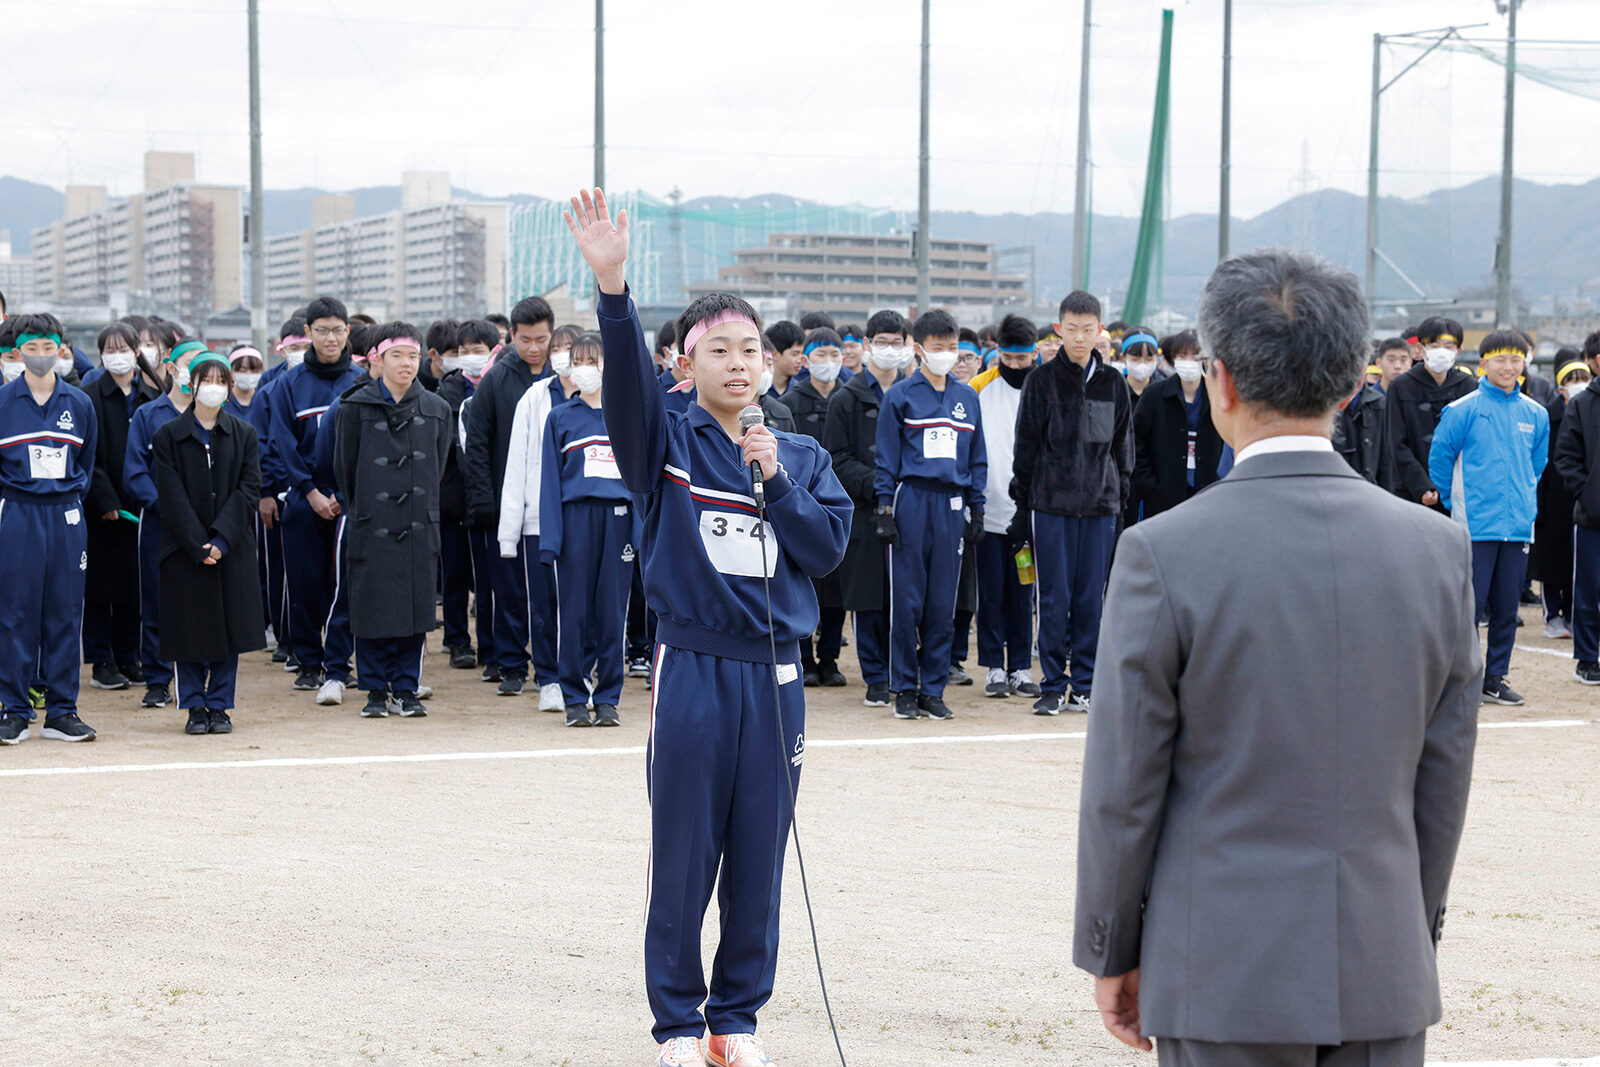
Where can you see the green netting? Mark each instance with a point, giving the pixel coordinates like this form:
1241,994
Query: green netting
1147,253
1570,67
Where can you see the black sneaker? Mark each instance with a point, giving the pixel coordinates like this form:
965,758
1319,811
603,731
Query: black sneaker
811,678
199,721
407,706
292,664
377,705
639,667
13,729
1496,691
67,727
1587,672
280,654
606,715
308,680
905,705
1529,596
220,723
877,695
462,658
1079,701
491,673
107,676
131,671
155,696
832,677
511,684
934,708
959,675
996,685
578,715
1050,704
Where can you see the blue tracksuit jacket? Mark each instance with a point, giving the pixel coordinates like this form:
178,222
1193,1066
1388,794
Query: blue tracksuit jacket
1503,443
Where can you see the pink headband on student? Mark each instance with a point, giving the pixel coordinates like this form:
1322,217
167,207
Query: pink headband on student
241,353
296,339
698,330
687,383
384,346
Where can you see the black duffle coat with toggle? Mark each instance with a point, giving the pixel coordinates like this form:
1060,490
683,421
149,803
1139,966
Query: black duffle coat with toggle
389,457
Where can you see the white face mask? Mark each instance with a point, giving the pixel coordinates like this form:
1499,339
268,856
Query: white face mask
472,366
765,385
561,363
211,395
1187,369
939,362
150,352
12,371
118,362
1439,360
1119,367
246,382
1574,388
888,357
825,371
294,358
63,366
586,379
1141,372
452,363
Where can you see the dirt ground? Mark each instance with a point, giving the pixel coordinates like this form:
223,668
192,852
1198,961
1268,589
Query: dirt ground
491,909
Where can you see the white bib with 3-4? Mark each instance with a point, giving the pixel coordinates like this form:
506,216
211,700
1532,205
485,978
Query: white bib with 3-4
939,442
46,462
599,462
733,542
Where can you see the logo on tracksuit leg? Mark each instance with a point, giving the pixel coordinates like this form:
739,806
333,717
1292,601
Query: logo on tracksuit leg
83,563
799,750
627,553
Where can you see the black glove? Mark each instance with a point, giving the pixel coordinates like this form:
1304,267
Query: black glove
482,519
887,533
975,530
1019,532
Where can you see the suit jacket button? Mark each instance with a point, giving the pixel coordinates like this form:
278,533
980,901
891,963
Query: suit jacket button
1100,924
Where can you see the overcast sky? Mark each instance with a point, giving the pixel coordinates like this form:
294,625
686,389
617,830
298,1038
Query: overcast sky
816,99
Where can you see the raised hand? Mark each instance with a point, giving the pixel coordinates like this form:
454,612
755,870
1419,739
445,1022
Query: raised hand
604,245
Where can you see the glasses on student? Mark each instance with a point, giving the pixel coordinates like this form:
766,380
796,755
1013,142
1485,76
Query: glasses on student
329,331
967,357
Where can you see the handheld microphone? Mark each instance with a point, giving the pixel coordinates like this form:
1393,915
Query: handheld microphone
752,415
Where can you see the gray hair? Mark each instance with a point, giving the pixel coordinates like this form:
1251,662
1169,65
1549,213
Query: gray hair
1290,327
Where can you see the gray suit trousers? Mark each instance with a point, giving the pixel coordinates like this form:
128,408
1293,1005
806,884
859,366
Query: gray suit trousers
1396,1052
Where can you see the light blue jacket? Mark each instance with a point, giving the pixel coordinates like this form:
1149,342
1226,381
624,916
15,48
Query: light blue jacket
1502,441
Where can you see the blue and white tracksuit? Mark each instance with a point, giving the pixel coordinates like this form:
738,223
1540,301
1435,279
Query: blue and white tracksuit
718,757
46,456
141,484
274,588
932,467
586,534
1498,443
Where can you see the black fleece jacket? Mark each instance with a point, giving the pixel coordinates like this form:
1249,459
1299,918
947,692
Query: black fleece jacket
1074,453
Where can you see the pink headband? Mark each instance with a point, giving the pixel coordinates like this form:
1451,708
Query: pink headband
241,353
296,339
384,346
698,330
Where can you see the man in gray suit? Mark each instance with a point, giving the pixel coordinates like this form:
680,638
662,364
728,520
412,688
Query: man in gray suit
1284,714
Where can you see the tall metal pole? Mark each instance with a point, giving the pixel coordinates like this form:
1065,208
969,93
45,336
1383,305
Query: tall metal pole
1502,258
924,244
1080,204
1372,176
600,94
258,230
1224,209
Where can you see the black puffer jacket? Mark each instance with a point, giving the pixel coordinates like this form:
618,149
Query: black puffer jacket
453,390
1161,447
1577,455
1414,404
1074,452
1362,438
809,407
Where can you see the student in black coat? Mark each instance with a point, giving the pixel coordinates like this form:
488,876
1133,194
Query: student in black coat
111,596
1176,447
1414,403
1551,558
207,468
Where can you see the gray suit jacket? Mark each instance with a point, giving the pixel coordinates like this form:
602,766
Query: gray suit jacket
1280,746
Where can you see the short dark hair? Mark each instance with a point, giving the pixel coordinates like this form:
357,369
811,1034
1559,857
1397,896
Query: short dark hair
709,305
1048,331
245,346
1079,302
363,318
201,369
568,333
505,323
850,329
785,335
817,320
1290,327
823,335
396,331
1434,328
1389,344
935,322
1143,348
887,321
358,341
38,322
666,336
8,332
2,302
442,336
123,332
1504,339
529,311
326,307
586,340
986,336
294,326
1591,346
1116,326
1179,343
477,332
1015,331
165,334
138,322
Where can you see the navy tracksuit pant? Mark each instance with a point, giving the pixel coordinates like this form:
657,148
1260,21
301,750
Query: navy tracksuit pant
111,634
924,577
1005,608
543,618
208,685
482,548
319,597
156,672
455,582
1585,594
872,645
41,604
593,577
1071,559
274,586
829,637
509,577
390,664
1497,571
718,798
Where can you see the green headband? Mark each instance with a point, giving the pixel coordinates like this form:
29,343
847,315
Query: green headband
24,338
184,349
209,357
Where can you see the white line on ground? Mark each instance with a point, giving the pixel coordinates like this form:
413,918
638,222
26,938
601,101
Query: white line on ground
542,753
1593,1061
1559,654
1540,724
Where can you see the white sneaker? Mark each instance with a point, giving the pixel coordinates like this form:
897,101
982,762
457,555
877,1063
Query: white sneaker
331,693
681,1052
1022,683
424,692
550,698
1557,628
994,684
736,1050
272,638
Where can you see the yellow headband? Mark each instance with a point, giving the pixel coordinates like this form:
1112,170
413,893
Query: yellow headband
1561,375
1492,353
1373,368
1447,337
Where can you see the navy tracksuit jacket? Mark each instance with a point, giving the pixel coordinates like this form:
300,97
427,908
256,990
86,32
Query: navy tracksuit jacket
141,483
717,754
46,457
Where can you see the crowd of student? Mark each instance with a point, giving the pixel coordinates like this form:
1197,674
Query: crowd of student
183,507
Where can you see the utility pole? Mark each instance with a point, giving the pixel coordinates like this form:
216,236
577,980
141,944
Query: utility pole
924,245
258,230
1224,209
1372,175
1502,252
600,94
1080,204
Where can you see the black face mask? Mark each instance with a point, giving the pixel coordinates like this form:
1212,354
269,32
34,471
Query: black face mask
1014,375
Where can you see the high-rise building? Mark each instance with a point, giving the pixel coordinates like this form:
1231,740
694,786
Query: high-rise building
16,276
